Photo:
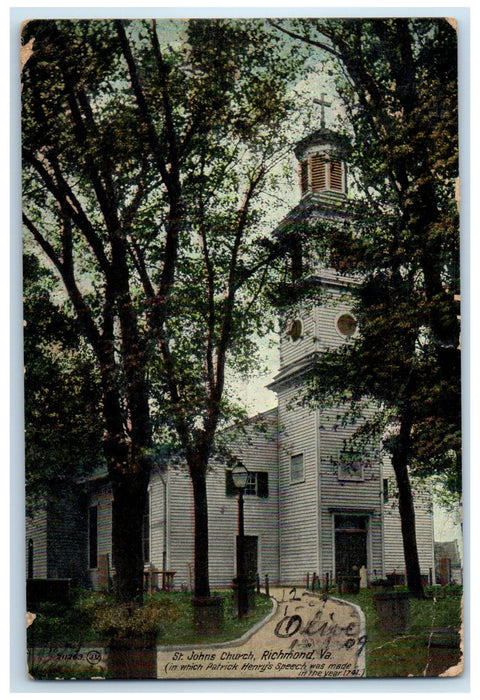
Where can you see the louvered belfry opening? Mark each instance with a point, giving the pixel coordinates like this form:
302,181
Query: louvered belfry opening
319,179
336,180
320,173
304,176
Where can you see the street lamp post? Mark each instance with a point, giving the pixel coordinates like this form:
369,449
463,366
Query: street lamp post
240,477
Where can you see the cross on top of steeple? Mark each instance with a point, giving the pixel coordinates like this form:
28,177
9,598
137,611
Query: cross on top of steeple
323,103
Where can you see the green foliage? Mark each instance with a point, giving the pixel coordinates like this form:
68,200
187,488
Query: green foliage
63,431
180,629
214,95
397,79
148,148
111,620
94,618
412,653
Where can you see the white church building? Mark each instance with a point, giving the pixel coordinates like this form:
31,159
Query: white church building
305,511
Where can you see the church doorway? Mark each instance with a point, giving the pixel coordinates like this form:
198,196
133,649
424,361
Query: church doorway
350,543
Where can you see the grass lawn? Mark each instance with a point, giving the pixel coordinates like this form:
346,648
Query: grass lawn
415,652
179,629
60,637
92,619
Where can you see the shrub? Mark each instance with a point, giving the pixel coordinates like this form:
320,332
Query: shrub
116,621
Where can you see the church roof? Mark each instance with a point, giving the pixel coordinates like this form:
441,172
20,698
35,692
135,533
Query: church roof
293,372
323,136
316,206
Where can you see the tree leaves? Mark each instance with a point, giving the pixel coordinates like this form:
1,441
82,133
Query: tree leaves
399,87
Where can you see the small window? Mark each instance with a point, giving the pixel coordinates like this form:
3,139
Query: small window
351,523
257,484
385,490
296,468
347,325
351,471
93,537
251,485
295,329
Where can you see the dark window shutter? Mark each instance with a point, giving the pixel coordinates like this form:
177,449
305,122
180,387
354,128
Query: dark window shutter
230,489
385,490
93,537
304,175
262,484
318,173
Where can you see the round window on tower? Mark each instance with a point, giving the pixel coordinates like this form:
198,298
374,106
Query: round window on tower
295,329
347,325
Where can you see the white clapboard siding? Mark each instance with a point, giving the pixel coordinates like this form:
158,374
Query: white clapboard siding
362,495
318,323
393,546
102,499
291,350
157,494
325,317
298,515
258,451
180,527
36,530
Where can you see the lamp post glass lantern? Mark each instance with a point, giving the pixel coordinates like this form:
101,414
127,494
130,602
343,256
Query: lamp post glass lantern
240,478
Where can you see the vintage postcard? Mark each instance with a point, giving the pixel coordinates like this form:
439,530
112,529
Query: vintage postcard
242,348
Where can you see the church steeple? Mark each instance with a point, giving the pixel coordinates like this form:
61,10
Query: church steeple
322,155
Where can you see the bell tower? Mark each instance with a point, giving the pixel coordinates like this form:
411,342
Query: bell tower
322,166
322,163
306,330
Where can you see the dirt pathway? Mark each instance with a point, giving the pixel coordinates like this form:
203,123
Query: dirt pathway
306,636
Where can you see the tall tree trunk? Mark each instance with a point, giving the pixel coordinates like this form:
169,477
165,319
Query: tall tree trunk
202,586
406,509
129,497
128,460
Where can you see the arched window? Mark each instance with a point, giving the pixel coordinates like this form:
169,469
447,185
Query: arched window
295,329
346,325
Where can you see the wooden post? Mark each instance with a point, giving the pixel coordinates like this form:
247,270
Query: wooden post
267,586
30,558
308,581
